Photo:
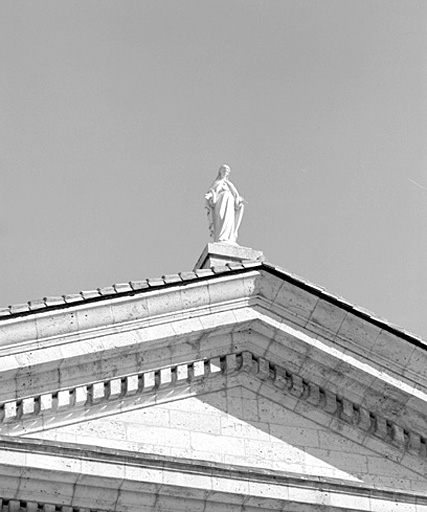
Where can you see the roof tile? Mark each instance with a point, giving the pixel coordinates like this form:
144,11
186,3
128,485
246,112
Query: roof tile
90,294
54,301
187,276
107,290
18,308
220,269
235,266
139,285
172,278
157,281
37,304
122,287
203,272
73,297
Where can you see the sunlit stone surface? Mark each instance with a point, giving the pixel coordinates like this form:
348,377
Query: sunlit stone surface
225,208
234,388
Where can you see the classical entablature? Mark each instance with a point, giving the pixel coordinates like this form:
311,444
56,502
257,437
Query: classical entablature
227,388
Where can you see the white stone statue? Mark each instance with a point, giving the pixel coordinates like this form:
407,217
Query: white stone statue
225,208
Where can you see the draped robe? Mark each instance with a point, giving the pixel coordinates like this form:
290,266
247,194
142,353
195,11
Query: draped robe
225,210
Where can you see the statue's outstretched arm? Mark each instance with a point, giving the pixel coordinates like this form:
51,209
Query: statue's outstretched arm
210,197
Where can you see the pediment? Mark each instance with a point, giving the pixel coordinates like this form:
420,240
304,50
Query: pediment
254,309
233,390
242,426
242,387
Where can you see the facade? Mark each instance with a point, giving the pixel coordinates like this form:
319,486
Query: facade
235,387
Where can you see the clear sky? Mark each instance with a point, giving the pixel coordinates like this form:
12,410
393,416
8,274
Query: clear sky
115,116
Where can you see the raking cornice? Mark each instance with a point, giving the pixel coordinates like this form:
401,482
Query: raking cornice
48,304
248,309
114,396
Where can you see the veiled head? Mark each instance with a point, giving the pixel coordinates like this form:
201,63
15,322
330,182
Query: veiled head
224,171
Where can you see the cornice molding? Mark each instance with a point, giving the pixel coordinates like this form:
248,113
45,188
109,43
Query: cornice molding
126,312
133,288
204,318
131,480
111,396
238,312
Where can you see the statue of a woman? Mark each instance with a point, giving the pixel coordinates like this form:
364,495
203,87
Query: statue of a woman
225,208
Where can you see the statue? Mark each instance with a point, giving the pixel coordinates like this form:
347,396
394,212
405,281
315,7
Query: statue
225,208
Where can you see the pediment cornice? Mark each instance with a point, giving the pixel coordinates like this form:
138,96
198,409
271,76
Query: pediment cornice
279,384
248,308
123,481
137,288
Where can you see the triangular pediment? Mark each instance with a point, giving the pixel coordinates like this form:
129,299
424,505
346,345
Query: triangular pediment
242,411
203,377
257,309
241,427
245,376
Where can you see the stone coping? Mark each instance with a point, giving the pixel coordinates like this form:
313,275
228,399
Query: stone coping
131,288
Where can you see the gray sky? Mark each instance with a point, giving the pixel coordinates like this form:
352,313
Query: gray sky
115,116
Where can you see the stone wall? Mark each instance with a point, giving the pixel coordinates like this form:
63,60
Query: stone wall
238,427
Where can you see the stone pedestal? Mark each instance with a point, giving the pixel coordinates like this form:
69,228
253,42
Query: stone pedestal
216,254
